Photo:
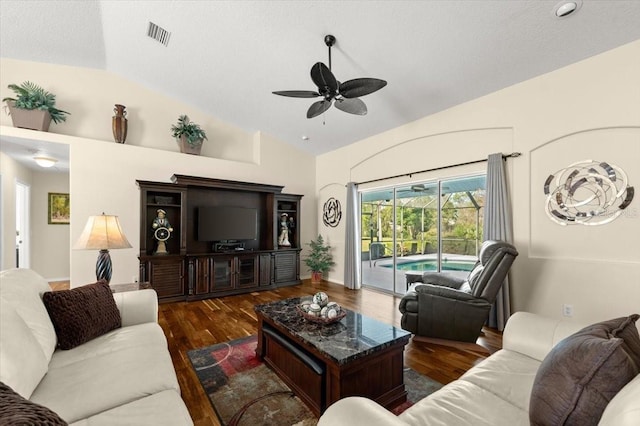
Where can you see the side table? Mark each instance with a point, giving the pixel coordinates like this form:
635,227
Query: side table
119,288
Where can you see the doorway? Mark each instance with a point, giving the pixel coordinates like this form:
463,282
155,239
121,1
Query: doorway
23,230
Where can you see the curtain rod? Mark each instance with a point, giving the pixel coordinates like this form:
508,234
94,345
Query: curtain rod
504,157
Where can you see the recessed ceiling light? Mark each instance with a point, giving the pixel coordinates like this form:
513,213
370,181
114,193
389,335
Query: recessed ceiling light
566,8
45,162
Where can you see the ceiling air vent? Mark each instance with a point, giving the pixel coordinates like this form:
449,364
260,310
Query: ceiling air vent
158,33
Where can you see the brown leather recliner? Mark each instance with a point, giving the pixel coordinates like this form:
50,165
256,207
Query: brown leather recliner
445,306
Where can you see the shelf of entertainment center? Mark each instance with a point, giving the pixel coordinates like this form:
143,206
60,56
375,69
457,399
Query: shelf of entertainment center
163,205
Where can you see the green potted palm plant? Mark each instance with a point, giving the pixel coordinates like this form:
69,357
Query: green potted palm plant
188,135
33,107
319,260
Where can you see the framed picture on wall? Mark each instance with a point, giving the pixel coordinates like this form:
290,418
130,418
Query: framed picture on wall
59,209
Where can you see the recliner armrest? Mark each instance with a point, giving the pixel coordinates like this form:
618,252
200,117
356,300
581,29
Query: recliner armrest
443,279
445,292
137,307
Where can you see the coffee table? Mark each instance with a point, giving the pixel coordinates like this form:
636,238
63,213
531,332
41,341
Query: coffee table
322,363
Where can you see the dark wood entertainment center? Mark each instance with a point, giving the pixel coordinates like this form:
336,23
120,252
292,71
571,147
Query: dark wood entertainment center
191,269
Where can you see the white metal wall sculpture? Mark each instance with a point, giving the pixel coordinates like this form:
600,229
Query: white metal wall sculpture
587,193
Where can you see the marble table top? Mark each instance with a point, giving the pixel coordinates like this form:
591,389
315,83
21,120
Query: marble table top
352,337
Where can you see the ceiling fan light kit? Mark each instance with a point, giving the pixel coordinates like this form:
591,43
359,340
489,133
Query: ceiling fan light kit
345,96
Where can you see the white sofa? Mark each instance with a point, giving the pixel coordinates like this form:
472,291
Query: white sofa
124,377
495,392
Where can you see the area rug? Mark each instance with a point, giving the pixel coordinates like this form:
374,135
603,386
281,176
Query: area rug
244,391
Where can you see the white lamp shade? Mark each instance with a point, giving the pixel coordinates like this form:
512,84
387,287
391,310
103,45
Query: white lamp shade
102,232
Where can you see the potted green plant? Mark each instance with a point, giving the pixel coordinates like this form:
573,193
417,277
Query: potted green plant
319,260
33,107
188,135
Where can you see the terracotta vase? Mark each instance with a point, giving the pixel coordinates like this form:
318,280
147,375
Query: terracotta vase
316,277
119,124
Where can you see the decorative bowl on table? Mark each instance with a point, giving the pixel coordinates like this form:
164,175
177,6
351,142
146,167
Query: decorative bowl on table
319,310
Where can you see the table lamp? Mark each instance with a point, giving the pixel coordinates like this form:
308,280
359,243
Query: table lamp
102,233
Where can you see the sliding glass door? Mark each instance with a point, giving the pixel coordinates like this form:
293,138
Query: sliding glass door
426,226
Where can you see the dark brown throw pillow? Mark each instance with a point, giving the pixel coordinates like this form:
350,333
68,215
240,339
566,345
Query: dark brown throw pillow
583,372
17,411
81,314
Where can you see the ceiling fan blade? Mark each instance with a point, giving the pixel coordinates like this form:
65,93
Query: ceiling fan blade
352,106
297,93
318,108
323,78
360,87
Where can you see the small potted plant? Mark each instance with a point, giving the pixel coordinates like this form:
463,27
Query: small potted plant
33,107
188,135
319,260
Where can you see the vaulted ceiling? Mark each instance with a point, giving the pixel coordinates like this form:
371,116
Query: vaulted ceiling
226,57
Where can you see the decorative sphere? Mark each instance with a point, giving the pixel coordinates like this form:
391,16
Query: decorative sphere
305,305
315,309
334,305
331,313
323,312
321,298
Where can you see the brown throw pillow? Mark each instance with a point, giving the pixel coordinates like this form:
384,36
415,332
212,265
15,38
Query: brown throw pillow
583,372
81,314
17,411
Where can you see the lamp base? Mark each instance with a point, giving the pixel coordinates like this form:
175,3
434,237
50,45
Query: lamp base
103,266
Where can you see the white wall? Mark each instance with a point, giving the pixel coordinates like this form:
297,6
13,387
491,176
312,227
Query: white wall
50,243
103,173
90,95
587,110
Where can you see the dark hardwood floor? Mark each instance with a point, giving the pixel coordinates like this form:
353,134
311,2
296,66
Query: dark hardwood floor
191,325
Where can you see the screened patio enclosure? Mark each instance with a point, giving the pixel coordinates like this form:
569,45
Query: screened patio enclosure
434,225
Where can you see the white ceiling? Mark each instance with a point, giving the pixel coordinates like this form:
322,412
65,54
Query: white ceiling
226,57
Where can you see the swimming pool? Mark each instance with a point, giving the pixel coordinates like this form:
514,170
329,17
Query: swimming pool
432,265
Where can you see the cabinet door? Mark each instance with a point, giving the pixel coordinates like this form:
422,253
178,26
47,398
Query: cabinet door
247,271
266,270
203,275
286,266
166,276
223,273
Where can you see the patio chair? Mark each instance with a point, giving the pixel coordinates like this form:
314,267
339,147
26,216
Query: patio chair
447,309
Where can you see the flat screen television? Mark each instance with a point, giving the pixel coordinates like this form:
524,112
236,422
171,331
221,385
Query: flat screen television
226,223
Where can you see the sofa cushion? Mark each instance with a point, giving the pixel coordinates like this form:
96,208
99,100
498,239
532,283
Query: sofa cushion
22,362
82,313
581,374
507,374
463,403
624,408
148,335
15,410
164,408
99,383
23,289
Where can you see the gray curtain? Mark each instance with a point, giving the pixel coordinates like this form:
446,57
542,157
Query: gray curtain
498,225
352,239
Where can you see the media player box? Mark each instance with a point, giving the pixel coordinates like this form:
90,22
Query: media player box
218,247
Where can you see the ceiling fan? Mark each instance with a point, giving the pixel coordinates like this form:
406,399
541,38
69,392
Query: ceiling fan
346,95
